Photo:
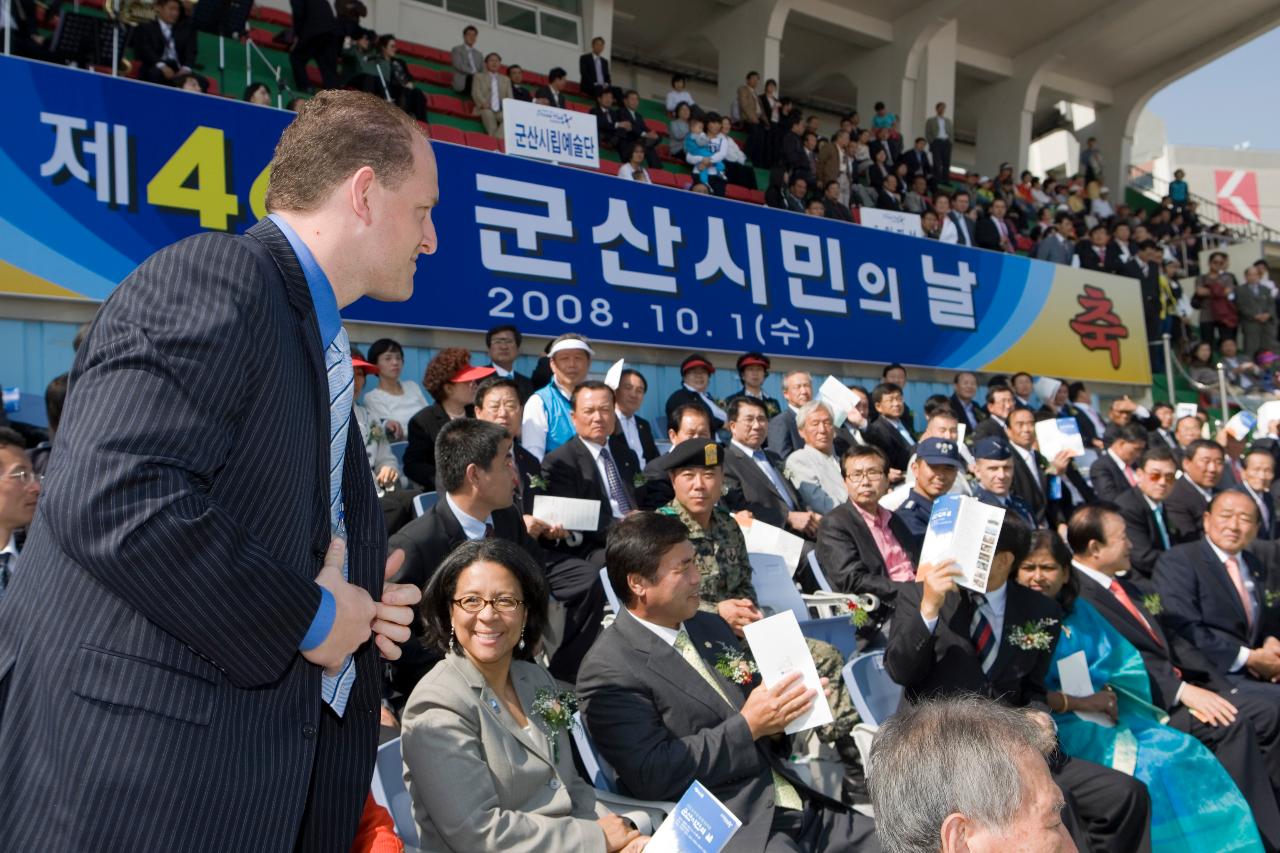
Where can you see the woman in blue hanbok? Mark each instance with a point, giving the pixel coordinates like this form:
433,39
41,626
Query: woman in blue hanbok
1195,806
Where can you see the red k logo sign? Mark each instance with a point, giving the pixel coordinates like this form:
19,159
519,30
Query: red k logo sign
1097,325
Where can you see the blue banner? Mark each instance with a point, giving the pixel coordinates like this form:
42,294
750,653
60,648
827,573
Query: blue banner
100,173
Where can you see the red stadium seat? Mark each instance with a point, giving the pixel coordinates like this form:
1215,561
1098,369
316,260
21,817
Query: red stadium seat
421,51
736,192
446,133
572,87
449,105
610,167
279,17
658,127
577,107
684,181
756,196
662,177
430,75
532,78
263,38
482,140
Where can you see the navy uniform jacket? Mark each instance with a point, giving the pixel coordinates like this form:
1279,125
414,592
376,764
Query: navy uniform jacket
169,576
1010,502
915,512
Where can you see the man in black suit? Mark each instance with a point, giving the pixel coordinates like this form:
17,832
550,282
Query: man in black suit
963,405
498,402
188,596
688,421
596,464
1259,474
1112,474
1189,501
475,474
552,94
1161,431
889,196
945,641
1221,597
662,716
1241,727
1142,508
317,36
993,231
917,160
888,431
1032,472
593,71
753,475
165,47
1092,251
960,217
635,131
853,558
629,397
1000,403
611,136
784,436
503,343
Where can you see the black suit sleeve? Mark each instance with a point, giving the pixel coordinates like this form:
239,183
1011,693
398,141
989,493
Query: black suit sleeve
1107,484
841,558
420,455
1143,550
910,655
148,45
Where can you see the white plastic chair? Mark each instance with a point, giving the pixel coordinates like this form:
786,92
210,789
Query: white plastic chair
647,814
389,791
424,502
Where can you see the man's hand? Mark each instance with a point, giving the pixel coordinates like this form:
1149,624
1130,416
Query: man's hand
769,711
743,517
938,579
394,613
387,476
539,528
854,418
168,72
1061,462
353,617
1208,707
804,523
1264,663
896,475
738,612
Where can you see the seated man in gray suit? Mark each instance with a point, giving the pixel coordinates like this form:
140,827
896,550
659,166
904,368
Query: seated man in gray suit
663,717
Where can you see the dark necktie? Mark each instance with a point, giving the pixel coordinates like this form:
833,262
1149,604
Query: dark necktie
616,491
4,572
982,634
488,530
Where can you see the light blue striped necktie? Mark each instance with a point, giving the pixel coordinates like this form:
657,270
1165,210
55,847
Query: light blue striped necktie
337,362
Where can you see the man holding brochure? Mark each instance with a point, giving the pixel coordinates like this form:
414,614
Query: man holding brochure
662,714
945,641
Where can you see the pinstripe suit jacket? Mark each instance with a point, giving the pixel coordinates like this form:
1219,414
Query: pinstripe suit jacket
151,692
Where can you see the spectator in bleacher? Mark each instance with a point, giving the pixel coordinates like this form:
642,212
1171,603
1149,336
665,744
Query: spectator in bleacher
794,198
488,90
258,93
1091,161
503,343
708,169
165,46
891,430
552,94
888,198
1100,207
395,499
451,381
678,95
516,75
1257,311
628,398
634,130
940,133
349,13
964,218
964,406
888,122
791,152
486,611
498,402
726,151
992,231
651,680
753,369
832,207
1112,473
833,165
1000,402
318,37
916,199
784,436
860,153
934,470
749,112
770,114
814,469
611,136
753,475
24,30
467,61
815,207
1145,518
393,402
679,129
879,170
695,375
189,81
634,169
1058,246
687,421
19,492
547,421
398,82
930,225
1092,251
593,70
1214,291
917,160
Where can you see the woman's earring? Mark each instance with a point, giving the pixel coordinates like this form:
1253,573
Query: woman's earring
453,643
521,643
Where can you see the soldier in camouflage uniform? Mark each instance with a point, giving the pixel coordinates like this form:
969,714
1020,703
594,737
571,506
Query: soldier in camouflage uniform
695,467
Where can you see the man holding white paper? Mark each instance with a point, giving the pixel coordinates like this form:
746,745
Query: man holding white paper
662,714
945,641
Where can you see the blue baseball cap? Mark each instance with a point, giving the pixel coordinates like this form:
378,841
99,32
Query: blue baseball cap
994,448
939,451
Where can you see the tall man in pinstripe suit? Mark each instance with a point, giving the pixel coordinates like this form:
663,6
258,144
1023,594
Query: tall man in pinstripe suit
185,657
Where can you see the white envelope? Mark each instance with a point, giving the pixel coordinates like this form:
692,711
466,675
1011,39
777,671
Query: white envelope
1185,410
1056,435
573,513
1073,672
613,376
780,649
839,397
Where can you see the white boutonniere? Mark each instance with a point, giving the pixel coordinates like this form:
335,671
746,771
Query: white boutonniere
735,666
1033,635
536,482
556,710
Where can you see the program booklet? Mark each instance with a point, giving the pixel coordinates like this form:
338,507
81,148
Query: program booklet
699,824
965,530
780,649
1057,435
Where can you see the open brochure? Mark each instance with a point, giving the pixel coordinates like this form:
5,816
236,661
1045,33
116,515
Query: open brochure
780,649
1057,435
768,539
966,530
699,824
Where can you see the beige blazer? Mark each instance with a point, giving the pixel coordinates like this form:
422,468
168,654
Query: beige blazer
481,91
478,781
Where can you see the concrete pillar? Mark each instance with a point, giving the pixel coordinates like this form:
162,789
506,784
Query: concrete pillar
910,74
597,20
1004,112
748,46
1113,126
936,79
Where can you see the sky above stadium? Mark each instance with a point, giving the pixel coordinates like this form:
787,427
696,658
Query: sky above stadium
1227,102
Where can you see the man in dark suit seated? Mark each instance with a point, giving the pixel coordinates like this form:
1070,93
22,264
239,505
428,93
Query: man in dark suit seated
597,465
784,436
593,71
1222,598
753,476
993,471
691,421
611,136
1000,403
1032,473
966,409
695,375
938,463
992,231
1189,501
1241,726
165,47
888,432
503,344
662,715
1259,474
1161,431
628,398
945,641
1143,511
552,94
1111,474
476,476
861,546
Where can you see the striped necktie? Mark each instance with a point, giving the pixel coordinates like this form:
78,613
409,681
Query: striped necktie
982,634
616,491
337,363
786,795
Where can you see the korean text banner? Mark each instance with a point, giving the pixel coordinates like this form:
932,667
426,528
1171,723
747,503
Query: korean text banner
100,173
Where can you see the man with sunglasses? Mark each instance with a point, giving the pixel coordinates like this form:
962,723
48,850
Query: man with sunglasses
19,490
1142,508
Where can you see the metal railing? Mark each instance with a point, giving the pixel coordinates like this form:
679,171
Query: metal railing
1209,211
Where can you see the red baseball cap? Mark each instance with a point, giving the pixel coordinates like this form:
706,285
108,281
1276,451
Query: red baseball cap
361,364
470,374
695,361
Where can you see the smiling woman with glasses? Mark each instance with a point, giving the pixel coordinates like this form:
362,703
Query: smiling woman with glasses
486,732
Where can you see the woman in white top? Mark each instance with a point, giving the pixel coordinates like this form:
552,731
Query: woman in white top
678,94
393,402
634,169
